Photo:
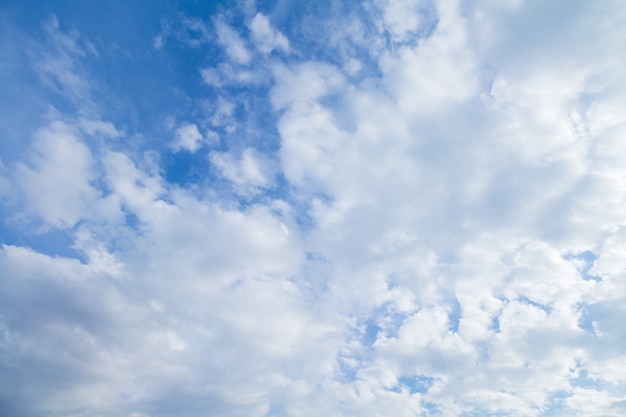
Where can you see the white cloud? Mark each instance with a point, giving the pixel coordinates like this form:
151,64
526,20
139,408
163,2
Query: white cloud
378,163
232,43
440,71
93,127
188,138
138,191
249,173
211,77
267,38
223,114
226,75
437,231
304,83
56,181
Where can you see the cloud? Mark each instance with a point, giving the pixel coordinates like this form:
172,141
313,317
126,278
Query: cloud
417,213
226,75
304,82
267,38
188,137
94,127
189,31
57,64
232,43
249,173
405,19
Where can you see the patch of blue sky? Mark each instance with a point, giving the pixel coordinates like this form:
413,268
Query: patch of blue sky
547,309
432,408
495,324
454,316
585,321
588,258
119,66
51,242
276,410
132,101
607,320
584,380
23,103
371,333
185,168
347,371
417,383
555,404
386,320
139,86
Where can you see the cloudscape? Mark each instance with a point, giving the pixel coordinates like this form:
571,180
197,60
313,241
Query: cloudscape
283,208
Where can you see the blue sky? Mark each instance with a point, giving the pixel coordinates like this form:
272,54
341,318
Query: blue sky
289,208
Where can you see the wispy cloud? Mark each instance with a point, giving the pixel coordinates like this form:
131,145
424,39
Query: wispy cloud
190,31
265,36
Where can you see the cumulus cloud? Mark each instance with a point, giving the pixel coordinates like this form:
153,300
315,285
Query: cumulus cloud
437,229
233,43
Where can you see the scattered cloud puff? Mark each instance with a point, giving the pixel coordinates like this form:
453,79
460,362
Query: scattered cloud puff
267,38
418,213
188,138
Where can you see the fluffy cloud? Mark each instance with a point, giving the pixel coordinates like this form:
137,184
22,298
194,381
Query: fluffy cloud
438,230
56,179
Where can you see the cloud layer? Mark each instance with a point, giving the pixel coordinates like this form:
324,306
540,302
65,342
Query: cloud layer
410,208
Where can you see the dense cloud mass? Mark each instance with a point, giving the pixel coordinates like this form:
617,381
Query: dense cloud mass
295,209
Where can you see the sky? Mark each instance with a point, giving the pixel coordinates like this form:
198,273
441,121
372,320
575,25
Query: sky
283,208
